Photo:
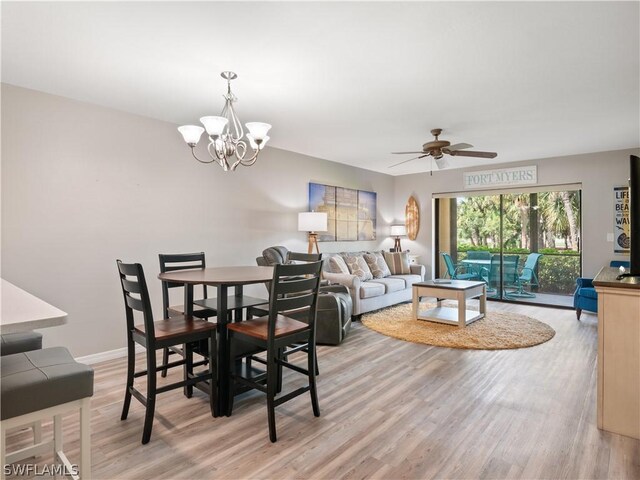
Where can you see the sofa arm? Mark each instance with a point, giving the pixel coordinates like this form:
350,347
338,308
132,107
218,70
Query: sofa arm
417,269
349,281
584,282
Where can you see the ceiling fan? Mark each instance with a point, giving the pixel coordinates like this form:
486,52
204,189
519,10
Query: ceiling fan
438,148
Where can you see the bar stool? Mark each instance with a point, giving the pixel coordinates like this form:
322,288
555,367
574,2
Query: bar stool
36,386
11,343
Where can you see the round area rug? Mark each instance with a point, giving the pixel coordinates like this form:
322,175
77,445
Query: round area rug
496,331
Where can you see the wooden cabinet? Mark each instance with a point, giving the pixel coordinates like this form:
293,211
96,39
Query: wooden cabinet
618,354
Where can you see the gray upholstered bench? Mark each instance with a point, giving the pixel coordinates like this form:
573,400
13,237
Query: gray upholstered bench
11,343
38,385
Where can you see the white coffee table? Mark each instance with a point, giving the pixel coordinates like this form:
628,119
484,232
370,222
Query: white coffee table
460,290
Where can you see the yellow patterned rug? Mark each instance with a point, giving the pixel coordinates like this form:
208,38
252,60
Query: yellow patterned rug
496,331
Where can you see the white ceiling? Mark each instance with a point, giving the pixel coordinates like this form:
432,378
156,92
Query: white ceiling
351,82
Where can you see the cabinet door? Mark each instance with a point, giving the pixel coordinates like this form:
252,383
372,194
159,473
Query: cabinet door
621,363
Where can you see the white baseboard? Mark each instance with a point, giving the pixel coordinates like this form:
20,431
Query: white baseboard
108,355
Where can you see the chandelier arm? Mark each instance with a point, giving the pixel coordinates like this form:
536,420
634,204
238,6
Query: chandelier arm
252,160
237,125
217,155
201,161
241,150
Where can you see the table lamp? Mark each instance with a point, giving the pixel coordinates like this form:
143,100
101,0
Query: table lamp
398,231
312,222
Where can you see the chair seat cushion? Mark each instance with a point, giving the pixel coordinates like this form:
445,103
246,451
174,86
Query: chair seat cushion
588,293
371,289
177,326
20,342
40,379
258,327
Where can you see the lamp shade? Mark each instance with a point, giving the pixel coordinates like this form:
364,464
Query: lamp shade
191,133
398,230
214,125
312,222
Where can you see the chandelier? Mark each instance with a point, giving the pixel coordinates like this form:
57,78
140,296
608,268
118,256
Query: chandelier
225,135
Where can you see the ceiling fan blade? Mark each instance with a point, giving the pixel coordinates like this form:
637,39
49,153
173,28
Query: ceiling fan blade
457,153
402,153
405,161
458,146
442,162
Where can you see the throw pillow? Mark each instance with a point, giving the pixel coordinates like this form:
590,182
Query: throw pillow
358,267
398,262
337,265
377,264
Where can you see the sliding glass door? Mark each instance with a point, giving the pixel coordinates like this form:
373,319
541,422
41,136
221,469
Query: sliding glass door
524,246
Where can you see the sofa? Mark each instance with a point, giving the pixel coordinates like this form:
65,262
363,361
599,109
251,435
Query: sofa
333,320
376,293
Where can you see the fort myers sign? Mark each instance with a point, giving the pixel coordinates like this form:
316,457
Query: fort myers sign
501,177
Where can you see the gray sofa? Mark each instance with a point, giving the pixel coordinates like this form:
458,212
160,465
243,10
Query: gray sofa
376,293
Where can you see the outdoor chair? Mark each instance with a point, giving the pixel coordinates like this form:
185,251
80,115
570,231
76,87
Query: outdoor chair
459,271
478,255
528,277
491,276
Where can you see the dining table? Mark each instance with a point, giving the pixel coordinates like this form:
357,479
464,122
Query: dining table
20,311
222,278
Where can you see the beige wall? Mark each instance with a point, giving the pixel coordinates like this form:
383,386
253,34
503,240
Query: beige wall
597,172
84,185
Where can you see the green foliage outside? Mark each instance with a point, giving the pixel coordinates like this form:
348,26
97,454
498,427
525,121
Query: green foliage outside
557,217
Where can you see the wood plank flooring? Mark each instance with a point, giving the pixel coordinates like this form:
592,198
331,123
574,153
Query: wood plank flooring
390,409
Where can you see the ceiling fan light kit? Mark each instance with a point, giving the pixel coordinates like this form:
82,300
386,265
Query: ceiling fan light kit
225,135
438,148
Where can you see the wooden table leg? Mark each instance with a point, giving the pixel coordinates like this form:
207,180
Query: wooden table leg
223,352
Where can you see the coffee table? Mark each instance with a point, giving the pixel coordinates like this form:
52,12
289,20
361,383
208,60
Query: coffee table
460,290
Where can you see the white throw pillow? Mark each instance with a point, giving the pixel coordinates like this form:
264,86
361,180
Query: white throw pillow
337,265
358,267
377,264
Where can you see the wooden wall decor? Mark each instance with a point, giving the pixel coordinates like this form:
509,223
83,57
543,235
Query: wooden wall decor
412,218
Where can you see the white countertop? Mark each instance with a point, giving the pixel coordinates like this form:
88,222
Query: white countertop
21,311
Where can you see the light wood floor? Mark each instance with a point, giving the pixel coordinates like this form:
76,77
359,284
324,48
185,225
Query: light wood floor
390,409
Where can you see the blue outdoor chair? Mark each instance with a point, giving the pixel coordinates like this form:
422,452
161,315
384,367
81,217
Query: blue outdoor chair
585,296
478,255
528,277
460,271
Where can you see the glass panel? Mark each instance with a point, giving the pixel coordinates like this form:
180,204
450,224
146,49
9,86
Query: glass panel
525,246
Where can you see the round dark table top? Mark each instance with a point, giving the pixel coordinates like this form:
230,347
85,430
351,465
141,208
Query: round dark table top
220,275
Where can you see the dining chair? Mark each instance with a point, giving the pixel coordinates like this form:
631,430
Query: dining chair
460,271
170,262
293,288
153,336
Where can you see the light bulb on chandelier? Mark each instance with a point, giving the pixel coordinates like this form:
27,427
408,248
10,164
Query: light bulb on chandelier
225,135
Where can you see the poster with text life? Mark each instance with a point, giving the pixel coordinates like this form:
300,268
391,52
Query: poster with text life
622,240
